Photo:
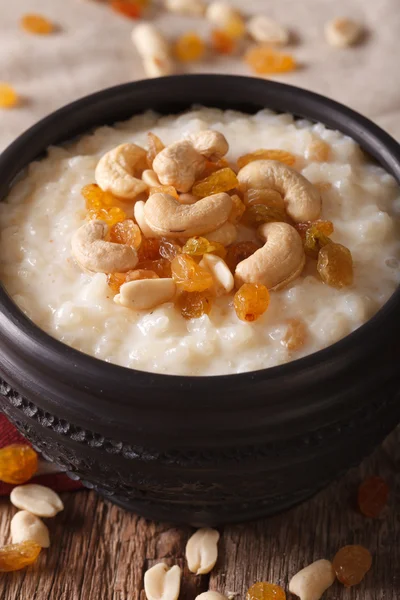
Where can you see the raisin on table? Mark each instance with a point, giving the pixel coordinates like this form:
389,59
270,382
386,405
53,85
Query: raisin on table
351,563
8,96
18,463
189,47
262,590
18,556
221,42
37,24
372,496
264,60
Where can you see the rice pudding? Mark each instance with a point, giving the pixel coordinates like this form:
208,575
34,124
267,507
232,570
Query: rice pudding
46,216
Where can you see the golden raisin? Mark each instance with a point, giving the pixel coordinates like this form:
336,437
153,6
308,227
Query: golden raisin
111,216
37,24
221,42
155,146
96,198
251,301
197,246
372,496
296,334
189,276
160,266
257,214
220,181
129,9
235,27
238,209
281,155
194,305
18,463
351,563
149,249
264,60
315,236
115,280
126,232
270,198
212,166
335,265
169,249
238,252
165,189
8,96
17,556
265,591
189,47
318,151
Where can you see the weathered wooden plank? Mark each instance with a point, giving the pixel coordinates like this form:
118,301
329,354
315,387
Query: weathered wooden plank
100,552
276,548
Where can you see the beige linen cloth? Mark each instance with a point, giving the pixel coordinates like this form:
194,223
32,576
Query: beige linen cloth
92,50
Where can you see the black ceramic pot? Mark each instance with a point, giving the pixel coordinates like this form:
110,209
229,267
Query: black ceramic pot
214,449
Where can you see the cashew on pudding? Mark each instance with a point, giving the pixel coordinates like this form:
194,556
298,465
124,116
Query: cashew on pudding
201,244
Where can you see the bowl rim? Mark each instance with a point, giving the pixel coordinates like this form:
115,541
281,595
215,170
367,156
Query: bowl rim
14,324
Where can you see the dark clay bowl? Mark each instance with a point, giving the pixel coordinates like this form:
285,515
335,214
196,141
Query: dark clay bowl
213,449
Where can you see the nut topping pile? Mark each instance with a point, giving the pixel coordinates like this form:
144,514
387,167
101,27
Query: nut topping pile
164,225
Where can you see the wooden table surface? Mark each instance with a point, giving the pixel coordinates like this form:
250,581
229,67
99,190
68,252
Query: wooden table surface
100,552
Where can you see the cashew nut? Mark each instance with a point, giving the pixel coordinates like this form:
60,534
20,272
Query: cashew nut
93,253
115,171
166,216
179,165
302,199
312,581
210,143
150,178
202,551
138,212
144,294
187,198
225,235
26,526
162,583
278,262
221,273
